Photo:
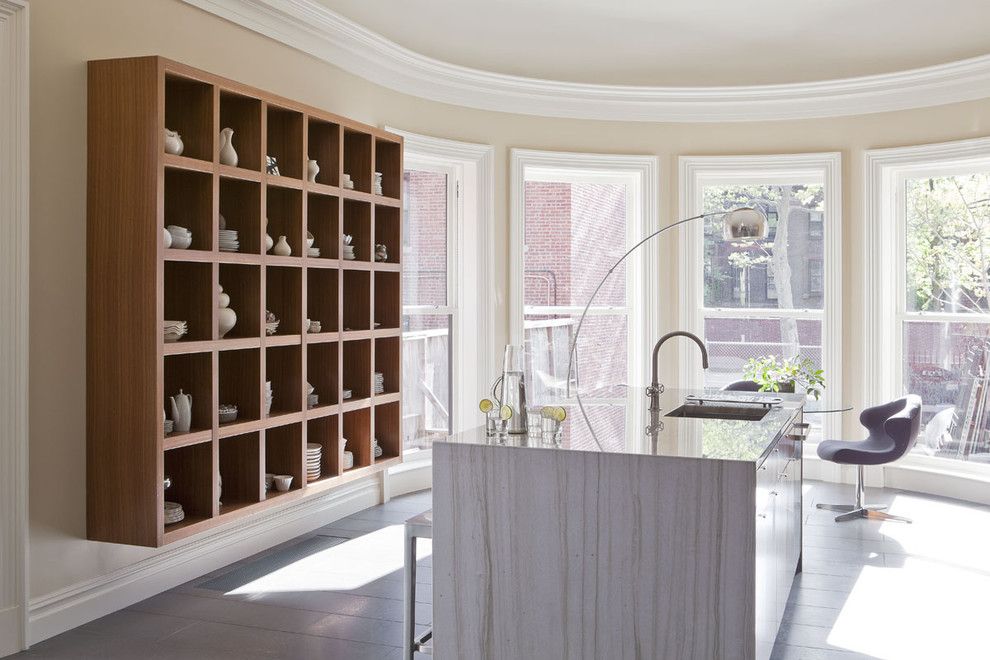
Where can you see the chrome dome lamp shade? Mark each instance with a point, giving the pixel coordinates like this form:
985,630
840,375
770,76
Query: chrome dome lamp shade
744,224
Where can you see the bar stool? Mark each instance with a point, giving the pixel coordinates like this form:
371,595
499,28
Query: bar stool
417,527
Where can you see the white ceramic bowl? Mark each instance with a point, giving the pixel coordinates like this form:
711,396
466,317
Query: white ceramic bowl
282,482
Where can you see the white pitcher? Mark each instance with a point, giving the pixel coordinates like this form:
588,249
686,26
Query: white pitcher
227,154
181,411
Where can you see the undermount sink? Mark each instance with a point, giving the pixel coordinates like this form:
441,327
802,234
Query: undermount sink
737,413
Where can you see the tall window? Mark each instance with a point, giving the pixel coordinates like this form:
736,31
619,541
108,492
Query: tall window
771,298
575,216
430,202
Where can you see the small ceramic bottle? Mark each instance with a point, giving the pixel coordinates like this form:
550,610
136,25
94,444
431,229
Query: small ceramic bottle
226,317
313,169
269,242
282,248
227,154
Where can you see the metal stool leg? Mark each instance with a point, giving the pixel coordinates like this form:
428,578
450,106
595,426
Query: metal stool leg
860,509
409,598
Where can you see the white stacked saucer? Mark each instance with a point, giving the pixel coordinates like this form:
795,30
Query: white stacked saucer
313,252
349,253
268,398
346,394
348,460
377,185
173,513
229,241
174,330
314,460
181,237
379,382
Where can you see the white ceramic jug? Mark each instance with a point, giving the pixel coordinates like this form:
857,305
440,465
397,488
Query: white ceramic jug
227,154
313,169
282,248
181,411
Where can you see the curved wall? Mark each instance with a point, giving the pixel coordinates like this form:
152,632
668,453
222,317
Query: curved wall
67,33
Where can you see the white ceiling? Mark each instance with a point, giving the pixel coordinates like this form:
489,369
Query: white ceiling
691,43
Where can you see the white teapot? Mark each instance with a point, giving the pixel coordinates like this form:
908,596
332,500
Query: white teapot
181,411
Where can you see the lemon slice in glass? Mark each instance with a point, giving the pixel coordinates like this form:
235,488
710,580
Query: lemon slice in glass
505,413
559,414
546,412
486,406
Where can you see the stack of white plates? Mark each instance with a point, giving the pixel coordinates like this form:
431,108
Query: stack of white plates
269,480
174,330
348,460
168,426
228,240
346,182
268,397
181,237
379,382
313,252
346,394
314,458
377,186
349,252
173,513
378,449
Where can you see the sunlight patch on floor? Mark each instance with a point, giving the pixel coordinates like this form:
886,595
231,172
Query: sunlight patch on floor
344,567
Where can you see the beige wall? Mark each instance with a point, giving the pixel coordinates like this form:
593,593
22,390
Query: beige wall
67,33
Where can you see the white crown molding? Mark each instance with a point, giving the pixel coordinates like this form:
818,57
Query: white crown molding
14,223
326,35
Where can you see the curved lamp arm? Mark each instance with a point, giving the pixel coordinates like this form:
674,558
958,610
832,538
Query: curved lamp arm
738,224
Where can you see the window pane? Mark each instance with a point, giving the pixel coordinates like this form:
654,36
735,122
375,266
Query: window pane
426,395
600,362
732,342
947,365
783,272
948,243
574,232
424,238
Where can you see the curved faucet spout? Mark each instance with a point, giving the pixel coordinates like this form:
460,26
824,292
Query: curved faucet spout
654,389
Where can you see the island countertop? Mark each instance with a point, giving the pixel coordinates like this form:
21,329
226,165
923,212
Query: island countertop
620,424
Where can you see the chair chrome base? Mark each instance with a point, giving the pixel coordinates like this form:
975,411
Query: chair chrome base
859,509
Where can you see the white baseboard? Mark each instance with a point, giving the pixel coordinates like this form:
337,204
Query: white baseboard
410,478
74,606
970,488
10,631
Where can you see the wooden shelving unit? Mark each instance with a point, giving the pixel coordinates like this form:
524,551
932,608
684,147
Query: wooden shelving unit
134,283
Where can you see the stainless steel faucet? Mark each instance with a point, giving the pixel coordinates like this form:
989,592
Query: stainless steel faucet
656,389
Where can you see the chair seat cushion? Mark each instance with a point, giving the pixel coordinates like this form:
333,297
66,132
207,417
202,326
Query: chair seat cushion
865,452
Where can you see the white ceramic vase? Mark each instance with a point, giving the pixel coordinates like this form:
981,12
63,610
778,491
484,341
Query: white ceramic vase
313,169
226,317
227,154
269,243
282,248
173,142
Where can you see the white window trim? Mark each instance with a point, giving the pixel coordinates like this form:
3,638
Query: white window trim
473,355
886,170
644,320
824,168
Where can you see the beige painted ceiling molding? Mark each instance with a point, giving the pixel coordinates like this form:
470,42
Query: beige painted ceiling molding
325,34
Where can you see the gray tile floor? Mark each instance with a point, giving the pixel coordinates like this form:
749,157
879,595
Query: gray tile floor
882,591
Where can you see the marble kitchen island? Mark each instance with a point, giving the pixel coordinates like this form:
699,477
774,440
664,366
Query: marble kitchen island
678,546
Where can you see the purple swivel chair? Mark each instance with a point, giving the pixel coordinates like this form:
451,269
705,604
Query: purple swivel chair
893,429
742,386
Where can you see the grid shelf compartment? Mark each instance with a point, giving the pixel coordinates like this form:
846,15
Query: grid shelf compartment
355,300
189,110
388,306
284,451
284,369
388,430
240,206
324,431
242,283
357,368
357,223
243,115
284,217
193,374
388,161
283,297
388,362
191,471
321,297
240,483
357,159
323,371
189,204
189,298
285,140
357,432
388,227
240,382
324,148
323,222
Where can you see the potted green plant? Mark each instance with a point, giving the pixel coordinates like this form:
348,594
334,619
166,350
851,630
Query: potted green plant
792,374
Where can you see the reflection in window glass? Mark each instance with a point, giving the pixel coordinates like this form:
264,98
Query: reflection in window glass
732,342
424,238
426,394
601,356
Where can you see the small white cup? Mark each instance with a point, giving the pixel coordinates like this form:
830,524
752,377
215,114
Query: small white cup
282,482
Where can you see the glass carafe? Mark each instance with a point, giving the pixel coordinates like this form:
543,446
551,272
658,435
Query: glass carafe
514,388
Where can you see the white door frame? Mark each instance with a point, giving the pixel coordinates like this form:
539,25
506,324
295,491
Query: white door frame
14,172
